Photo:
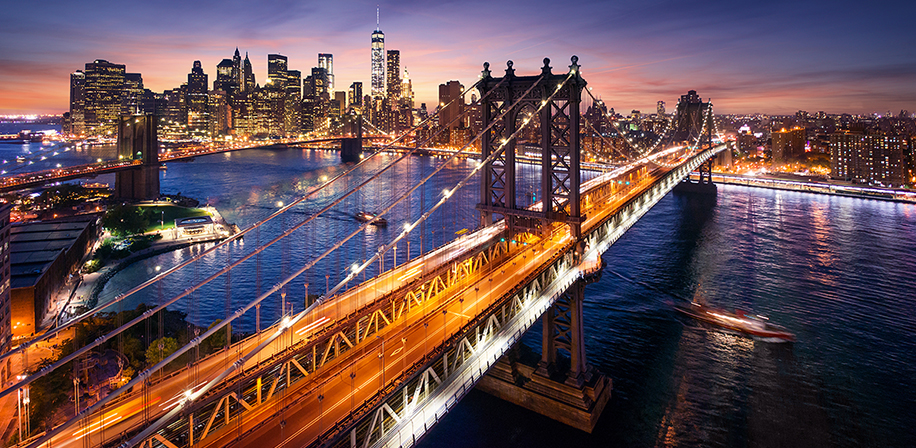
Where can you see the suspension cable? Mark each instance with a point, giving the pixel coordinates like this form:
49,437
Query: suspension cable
286,324
190,290
196,341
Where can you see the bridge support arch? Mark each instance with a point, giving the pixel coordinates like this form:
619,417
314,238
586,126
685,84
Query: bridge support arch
704,184
575,395
556,98
138,140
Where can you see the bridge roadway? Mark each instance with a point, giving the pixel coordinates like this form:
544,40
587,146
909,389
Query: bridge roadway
312,408
130,410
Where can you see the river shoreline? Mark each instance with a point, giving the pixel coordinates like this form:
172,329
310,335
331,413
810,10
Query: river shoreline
86,291
811,186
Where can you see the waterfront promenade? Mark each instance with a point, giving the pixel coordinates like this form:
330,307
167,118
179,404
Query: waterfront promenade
811,185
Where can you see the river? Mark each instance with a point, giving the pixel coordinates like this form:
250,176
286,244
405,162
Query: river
836,271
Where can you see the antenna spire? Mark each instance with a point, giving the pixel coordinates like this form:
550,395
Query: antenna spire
376,17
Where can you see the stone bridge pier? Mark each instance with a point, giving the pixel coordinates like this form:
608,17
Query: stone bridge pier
573,394
138,140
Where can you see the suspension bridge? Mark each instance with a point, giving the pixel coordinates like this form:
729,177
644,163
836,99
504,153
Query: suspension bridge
11,181
393,343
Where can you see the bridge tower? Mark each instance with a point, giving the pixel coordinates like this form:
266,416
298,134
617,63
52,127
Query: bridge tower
559,145
138,140
703,136
351,147
575,396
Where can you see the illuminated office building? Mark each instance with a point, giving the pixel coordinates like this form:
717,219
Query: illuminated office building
77,103
449,112
132,94
293,102
102,96
326,61
198,102
393,80
237,69
276,70
224,76
356,94
248,81
378,61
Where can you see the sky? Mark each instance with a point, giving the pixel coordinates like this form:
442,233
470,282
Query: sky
773,57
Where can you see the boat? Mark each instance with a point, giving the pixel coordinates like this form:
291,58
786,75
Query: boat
366,217
757,327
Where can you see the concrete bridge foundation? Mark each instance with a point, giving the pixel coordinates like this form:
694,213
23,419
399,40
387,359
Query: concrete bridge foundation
575,396
350,150
703,185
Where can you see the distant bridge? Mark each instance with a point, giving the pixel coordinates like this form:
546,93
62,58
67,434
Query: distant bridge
90,170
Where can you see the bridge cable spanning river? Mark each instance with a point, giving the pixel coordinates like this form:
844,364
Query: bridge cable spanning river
377,361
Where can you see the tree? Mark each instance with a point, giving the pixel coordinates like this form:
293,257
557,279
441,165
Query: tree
217,340
122,221
160,349
133,350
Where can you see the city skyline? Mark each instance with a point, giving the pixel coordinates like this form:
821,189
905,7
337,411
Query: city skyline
747,58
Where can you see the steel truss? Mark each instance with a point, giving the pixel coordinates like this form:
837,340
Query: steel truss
560,96
267,382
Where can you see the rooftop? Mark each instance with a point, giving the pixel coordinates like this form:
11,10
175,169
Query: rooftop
35,246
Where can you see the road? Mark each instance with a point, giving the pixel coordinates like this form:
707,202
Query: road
311,408
134,408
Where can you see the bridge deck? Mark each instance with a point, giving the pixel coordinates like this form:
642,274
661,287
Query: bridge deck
307,409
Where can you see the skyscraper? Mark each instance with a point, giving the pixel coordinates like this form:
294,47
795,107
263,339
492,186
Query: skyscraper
326,61
247,84
104,84
393,80
237,67
318,84
224,76
293,102
448,112
407,89
276,70
378,60
77,102
132,94
197,101
356,94
660,109
341,98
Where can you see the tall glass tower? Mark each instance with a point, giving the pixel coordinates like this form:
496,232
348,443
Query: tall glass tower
326,61
378,60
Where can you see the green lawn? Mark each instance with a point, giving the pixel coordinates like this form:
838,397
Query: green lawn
167,214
